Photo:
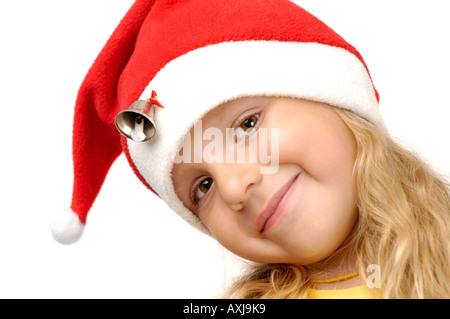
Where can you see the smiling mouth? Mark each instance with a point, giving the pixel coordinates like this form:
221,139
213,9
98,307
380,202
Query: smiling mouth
275,207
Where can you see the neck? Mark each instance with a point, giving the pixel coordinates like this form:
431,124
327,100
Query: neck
338,265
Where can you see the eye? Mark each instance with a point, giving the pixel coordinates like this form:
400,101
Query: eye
200,189
246,126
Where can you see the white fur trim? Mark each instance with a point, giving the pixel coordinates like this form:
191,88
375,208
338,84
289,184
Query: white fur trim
200,80
66,228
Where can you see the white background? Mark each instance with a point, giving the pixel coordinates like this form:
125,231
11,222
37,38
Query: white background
133,247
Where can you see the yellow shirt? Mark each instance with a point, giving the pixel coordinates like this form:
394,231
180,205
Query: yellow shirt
360,292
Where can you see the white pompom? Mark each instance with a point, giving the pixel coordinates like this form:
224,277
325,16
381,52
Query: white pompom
66,228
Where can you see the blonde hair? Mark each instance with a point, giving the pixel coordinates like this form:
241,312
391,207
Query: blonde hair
403,226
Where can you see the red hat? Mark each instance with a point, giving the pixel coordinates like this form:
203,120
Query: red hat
197,55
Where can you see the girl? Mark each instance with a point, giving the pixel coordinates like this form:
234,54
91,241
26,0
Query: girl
260,126
388,208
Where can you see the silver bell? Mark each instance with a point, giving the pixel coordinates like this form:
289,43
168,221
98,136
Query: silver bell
137,122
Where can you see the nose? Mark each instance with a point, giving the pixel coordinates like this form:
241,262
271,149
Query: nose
236,181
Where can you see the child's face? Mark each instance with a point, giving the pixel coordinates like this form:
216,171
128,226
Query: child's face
301,213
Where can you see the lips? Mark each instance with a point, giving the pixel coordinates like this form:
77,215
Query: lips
273,209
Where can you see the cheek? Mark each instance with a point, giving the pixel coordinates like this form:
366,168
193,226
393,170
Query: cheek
221,224
323,147
227,231
230,237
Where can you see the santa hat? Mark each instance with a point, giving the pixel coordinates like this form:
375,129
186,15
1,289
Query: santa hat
197,55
